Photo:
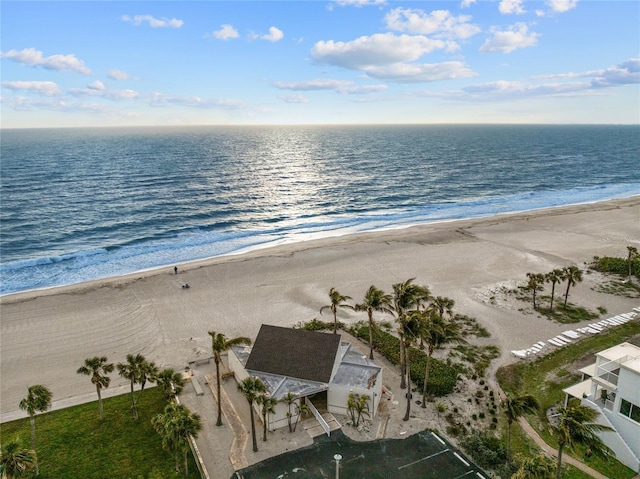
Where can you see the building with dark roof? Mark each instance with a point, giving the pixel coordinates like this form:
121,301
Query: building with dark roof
305,363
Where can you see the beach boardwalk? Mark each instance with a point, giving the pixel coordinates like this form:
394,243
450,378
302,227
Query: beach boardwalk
422,455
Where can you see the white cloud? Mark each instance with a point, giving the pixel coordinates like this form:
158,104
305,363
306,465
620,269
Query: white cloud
225,33
359,3
440,23
97,89
561,6
340,86
96,85
418,73
506,41
34,58
152,21
467,3
47,88
507,7
120,75
375,50
298,98
274,35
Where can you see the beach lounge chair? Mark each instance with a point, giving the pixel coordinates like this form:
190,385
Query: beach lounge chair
555,342
519,354
571,334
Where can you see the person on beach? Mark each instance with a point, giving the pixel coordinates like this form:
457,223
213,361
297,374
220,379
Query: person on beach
175,270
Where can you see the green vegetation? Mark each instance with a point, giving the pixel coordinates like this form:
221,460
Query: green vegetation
545,378
74,442
442,375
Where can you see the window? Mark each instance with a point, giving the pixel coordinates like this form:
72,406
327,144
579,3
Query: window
630,410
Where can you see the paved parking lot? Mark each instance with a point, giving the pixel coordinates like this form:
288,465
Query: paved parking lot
423,455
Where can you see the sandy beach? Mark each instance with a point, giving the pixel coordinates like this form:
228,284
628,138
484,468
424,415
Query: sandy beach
47,334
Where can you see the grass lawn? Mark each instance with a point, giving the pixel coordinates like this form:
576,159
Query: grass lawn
545,378
74,443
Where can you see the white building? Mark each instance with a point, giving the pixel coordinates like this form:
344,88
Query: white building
307,363
612,387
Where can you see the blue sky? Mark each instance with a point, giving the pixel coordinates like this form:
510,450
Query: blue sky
119,63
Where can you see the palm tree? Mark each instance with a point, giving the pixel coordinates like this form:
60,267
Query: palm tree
170,382
374,300
534,285
536,467
98,368
148,372
575,426
16,461
632,254
290,400
252,388
37,400
175,425
410,334
132,370
406,295
573,276
553,277
516,407
436,332
220,344
441,305
337,301
267,406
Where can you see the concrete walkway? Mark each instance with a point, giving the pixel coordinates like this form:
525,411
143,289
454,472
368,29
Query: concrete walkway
566,459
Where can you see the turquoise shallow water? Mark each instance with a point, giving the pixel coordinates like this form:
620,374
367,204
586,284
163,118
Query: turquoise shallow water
82,204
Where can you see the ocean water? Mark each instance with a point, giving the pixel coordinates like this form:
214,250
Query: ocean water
83,204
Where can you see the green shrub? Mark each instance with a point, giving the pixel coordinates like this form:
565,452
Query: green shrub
619,266
485,449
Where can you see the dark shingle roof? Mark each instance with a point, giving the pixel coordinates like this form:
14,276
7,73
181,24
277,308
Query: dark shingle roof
294,352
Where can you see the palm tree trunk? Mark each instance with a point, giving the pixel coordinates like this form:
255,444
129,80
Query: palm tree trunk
219,420
32,420
370,336
426,378
100,402
253,429
566,294
133,403
403,366
408,412
508,439
186,463
559,461
553,289
264,427
335,321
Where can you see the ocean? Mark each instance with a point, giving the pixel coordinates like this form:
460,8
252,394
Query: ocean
84,204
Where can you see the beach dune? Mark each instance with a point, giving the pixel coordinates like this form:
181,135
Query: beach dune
47,334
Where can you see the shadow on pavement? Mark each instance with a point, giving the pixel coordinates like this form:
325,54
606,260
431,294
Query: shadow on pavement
422,455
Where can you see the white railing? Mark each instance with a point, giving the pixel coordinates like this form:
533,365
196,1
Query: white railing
318,416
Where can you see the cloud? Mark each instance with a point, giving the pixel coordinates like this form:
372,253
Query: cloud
274,35
34,58
120,75
225,33
376,50
440,23
467,3
152,21
506,41
298,98
97,89
359,3
507,7
47,88
561,6
416,73
339,86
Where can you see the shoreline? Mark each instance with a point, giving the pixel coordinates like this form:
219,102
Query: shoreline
46,334
282,243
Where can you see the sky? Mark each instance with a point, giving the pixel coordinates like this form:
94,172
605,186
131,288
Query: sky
121,63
